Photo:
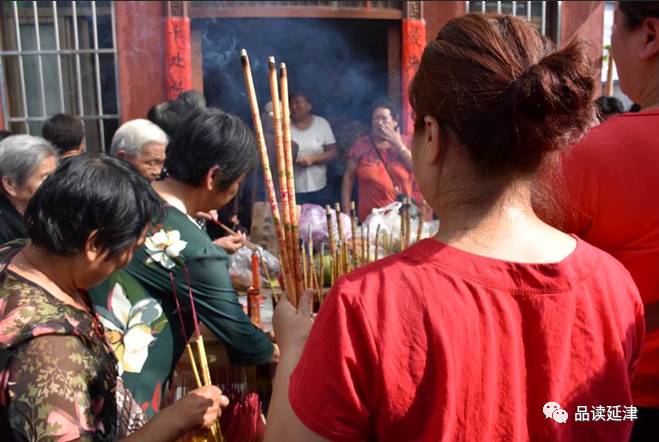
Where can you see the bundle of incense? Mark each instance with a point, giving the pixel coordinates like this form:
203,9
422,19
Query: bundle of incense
283,175
330,230
216,431
188,348
254,293
353,228
403,225
377,237
267,176
290,176
391,242
321,266
385,244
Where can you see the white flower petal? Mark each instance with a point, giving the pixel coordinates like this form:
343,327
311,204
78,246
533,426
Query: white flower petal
136,343
119,304
144,312
173,236
175,249
159,238
109,324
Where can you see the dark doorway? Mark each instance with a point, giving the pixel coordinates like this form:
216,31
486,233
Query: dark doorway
340,64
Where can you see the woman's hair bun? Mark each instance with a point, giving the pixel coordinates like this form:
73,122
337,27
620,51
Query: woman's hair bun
505,93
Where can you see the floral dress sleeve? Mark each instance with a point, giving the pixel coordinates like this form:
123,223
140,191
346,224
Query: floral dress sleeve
48,390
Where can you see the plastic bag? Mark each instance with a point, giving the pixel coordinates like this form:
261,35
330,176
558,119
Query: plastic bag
240,268
313,217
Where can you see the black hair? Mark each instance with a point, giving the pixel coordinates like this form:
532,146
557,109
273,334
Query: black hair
635,107
635,12
191,99
170,115
89,193
163,116
210,137
66,132
385,103
299,93
607,106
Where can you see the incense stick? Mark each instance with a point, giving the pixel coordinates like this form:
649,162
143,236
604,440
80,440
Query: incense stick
201,349
281,172
353,229
265,163
290,175
330,229
188,348
377,238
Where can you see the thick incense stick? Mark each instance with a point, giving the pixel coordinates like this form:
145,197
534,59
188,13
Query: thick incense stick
368,243
305,270
281,173
408,222
265,163
353,229
342,238
310,256
254,293
419,227
290,176
330,230
321,267
362,255
377,238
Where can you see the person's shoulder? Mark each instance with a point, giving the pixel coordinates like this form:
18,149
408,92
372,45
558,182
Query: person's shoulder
198,243
321,122
604,266
360,145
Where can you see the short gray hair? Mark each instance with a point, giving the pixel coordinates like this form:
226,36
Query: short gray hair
133,135
20,155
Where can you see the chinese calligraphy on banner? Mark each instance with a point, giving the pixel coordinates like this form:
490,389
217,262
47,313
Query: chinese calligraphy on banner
414,41
178,56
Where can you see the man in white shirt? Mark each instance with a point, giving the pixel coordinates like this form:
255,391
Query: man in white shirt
317,147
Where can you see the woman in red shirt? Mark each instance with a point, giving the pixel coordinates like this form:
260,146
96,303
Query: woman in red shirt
500,327
381,163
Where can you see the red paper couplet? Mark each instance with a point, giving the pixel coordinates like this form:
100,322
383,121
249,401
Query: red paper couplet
414,41
178,56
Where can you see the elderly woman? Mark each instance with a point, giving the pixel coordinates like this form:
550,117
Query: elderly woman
500,327
207,160
381,163
58,374
142,144
25,161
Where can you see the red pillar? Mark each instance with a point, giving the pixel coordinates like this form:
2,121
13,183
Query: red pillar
414,41
141,79
178,56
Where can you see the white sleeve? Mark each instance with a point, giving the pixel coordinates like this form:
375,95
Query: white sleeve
326,133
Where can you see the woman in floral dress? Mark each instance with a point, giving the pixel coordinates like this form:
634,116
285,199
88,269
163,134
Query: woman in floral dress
58,375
